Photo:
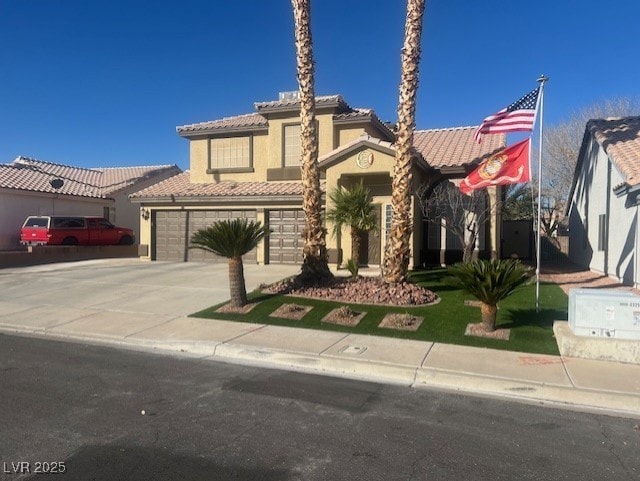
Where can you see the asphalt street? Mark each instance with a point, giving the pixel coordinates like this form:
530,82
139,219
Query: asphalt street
109,414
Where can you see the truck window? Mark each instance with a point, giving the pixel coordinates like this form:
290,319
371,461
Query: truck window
36,222
68,222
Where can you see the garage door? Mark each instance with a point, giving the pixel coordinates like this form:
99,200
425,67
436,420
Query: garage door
174,228
285,242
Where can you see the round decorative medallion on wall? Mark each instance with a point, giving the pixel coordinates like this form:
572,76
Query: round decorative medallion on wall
364,159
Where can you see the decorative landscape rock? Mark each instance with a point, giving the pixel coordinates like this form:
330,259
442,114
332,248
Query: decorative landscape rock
291,311
229,309
362,290
403,321
477,330
344,316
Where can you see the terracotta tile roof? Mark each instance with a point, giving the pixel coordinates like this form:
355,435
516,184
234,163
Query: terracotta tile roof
257,120
455,147
35,175
333,156
181,187
226,123
620,139
321,100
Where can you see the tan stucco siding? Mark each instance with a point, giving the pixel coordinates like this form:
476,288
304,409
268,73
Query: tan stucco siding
199,160
377,177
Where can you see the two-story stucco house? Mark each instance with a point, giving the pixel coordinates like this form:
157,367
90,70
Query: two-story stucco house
248,166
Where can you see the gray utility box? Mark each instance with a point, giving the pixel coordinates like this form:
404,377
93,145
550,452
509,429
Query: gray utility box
604,313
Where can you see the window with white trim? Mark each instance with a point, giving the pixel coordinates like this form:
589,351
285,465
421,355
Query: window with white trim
291,145
230,153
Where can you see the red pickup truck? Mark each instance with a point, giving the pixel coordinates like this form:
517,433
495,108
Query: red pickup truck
73,230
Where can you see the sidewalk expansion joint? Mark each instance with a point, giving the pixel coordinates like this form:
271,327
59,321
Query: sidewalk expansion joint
329,347
150,327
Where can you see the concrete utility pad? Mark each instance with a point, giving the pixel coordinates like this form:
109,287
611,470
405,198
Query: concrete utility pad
380,349
498,364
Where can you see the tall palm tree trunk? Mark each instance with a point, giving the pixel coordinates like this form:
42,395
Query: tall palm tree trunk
315,261
397,249
237,288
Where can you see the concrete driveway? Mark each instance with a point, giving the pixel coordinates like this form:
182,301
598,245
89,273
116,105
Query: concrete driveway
119,289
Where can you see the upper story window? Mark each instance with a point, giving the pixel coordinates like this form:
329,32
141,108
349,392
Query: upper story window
291,145
230,153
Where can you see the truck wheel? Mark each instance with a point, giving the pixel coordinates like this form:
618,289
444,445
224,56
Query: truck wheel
126,240
70,241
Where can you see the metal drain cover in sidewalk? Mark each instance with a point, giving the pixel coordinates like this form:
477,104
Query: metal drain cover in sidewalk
352,349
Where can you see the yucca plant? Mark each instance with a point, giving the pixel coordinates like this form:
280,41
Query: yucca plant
231,239
489,281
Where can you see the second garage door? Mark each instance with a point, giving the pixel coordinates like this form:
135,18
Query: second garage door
285,240
174,228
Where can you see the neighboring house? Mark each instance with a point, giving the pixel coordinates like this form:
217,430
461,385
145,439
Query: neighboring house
248,166
604,232
26,189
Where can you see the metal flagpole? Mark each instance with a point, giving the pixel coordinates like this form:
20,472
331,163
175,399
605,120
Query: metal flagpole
542,79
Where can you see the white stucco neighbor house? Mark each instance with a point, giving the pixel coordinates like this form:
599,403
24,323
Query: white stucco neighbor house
26,189
604,201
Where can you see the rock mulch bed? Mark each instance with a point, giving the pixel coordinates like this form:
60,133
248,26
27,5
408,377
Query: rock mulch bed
291,311
402,321
344,316
476,329
228,308
363,290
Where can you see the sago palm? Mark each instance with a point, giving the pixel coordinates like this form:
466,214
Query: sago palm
231,239
352,207
490,281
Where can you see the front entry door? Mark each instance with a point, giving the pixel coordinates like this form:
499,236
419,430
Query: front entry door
370,244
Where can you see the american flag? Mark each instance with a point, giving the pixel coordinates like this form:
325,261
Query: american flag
517,117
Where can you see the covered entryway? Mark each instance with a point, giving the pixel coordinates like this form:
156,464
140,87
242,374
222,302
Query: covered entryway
370,242
285,240
172,229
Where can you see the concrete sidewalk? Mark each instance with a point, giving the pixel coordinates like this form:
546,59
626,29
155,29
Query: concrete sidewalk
104,310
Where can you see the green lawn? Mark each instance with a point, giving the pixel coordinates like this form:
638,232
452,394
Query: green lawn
444,322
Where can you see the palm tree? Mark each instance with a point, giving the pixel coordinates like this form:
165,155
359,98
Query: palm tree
231,239
489,281
352,207
396,255
315,265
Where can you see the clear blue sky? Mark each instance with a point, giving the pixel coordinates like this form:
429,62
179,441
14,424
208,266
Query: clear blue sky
105,82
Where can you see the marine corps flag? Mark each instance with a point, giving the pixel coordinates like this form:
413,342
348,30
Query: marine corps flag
508,166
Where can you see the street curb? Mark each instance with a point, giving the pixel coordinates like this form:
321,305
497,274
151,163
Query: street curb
574,397
417,377
314,363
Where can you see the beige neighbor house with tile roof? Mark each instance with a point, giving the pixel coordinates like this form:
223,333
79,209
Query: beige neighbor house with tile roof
604,202
25,189
248,166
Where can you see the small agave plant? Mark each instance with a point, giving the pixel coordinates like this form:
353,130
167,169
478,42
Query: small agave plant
490,281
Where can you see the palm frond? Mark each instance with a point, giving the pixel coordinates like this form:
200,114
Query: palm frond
229,238
489,281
